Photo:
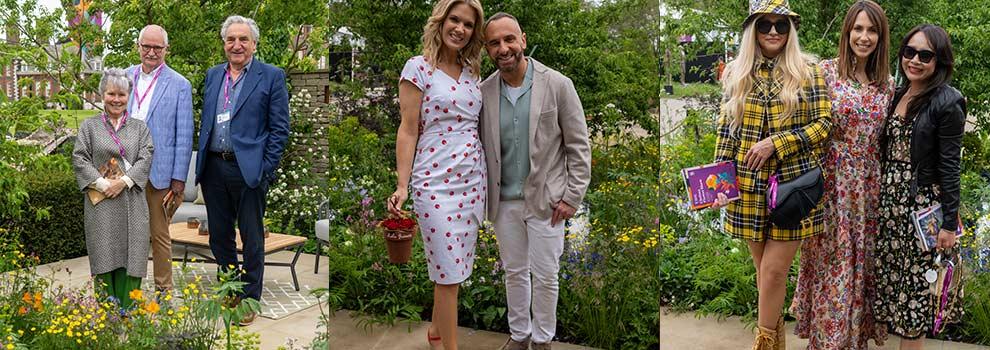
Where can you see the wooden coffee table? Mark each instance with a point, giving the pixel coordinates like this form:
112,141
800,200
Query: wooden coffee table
276,242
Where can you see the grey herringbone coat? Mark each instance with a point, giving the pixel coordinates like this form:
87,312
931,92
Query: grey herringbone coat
116,229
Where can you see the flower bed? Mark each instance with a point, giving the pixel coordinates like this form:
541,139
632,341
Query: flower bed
607,288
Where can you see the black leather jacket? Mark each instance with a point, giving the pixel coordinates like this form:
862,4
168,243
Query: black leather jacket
936,143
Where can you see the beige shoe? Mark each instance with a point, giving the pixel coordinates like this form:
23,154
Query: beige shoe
516,345
248,319
766,339
543,346
781,334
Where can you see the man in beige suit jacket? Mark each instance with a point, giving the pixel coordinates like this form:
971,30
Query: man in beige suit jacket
539,165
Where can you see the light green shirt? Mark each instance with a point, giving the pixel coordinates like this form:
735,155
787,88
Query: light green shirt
514,135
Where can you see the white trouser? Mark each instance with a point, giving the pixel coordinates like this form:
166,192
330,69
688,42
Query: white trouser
529,245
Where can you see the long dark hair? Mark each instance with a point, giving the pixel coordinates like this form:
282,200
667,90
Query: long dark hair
939,40
877,67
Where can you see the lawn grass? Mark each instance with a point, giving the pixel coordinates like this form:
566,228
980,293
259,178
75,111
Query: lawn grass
693,90
72,117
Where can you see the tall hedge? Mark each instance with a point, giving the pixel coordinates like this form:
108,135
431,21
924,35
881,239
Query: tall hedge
53,226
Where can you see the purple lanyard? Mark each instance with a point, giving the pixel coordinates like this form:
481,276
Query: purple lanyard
226,87
944,299
113,134
140,99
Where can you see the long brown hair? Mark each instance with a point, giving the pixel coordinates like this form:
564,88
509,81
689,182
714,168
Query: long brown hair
877,65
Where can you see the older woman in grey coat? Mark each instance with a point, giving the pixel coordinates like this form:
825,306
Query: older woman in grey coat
116,213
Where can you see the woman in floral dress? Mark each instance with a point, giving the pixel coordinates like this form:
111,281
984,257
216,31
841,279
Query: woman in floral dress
439,155
835,289
920,153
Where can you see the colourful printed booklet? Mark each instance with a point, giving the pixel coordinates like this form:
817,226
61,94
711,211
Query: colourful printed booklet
927,224
705,182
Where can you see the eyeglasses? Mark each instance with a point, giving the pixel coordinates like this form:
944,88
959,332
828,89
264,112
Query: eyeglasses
925,56
148,48
783,26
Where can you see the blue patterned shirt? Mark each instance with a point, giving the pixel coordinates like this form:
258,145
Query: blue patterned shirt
220,135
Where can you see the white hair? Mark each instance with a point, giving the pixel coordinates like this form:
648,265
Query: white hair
243,20
143,30
115,78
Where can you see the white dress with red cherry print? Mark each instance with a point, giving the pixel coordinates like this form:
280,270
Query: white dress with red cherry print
448,175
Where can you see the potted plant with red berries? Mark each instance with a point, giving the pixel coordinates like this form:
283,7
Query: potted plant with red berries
399,232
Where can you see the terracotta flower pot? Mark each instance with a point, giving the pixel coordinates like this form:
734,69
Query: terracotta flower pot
398,240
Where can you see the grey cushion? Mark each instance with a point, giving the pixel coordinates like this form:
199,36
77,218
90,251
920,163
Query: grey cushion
189,194
323,230
187,210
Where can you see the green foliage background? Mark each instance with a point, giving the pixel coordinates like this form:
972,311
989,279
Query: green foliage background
608,50
966,21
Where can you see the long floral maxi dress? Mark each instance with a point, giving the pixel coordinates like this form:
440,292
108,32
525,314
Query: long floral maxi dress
448,175
835,289
903,300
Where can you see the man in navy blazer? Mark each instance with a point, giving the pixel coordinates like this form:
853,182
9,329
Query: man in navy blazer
162,98
243,131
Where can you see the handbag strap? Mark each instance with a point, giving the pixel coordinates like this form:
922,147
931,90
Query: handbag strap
772,191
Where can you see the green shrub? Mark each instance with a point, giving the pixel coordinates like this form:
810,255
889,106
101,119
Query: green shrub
977,306
55,232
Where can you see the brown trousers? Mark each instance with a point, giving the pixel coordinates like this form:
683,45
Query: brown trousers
161,242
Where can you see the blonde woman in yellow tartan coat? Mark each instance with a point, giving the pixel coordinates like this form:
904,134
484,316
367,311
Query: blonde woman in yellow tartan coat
775,115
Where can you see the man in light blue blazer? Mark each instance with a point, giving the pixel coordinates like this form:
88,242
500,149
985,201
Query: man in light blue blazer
242,135
162,98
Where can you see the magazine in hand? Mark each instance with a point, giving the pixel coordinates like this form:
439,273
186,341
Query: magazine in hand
705,182
110,171
170,204
927,224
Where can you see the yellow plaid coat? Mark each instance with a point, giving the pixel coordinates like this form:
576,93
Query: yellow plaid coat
799,142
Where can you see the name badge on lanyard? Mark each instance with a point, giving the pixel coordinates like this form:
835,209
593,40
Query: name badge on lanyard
116,139
225,116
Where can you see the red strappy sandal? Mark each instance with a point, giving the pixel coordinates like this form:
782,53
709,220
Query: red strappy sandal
434,341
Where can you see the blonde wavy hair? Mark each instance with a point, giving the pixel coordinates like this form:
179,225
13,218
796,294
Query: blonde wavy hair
432,41
792,68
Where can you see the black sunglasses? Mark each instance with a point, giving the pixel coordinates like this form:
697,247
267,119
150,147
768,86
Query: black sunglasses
783,26
924,55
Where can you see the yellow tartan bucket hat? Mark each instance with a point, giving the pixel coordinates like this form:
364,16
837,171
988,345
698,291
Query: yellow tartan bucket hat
779,7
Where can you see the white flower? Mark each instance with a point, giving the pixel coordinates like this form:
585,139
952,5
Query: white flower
347,243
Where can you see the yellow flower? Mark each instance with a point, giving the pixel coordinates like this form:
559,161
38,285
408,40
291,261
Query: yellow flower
137,294
151,307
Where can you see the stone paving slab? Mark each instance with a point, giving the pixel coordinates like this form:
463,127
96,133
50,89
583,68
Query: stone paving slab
686,331
347,333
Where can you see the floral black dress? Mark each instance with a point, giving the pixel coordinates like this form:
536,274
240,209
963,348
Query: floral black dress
904,299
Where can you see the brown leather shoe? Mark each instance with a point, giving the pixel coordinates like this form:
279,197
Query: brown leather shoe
516,345
248,319
543,346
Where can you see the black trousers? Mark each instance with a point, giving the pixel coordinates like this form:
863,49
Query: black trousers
229,200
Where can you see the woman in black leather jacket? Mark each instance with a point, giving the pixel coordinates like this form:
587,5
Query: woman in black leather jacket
920,151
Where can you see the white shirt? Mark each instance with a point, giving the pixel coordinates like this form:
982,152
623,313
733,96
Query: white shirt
140,112
514,93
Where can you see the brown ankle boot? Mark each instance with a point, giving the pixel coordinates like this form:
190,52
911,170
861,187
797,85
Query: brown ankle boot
781,334
766,339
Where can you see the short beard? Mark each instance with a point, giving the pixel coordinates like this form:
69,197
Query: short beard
512,68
